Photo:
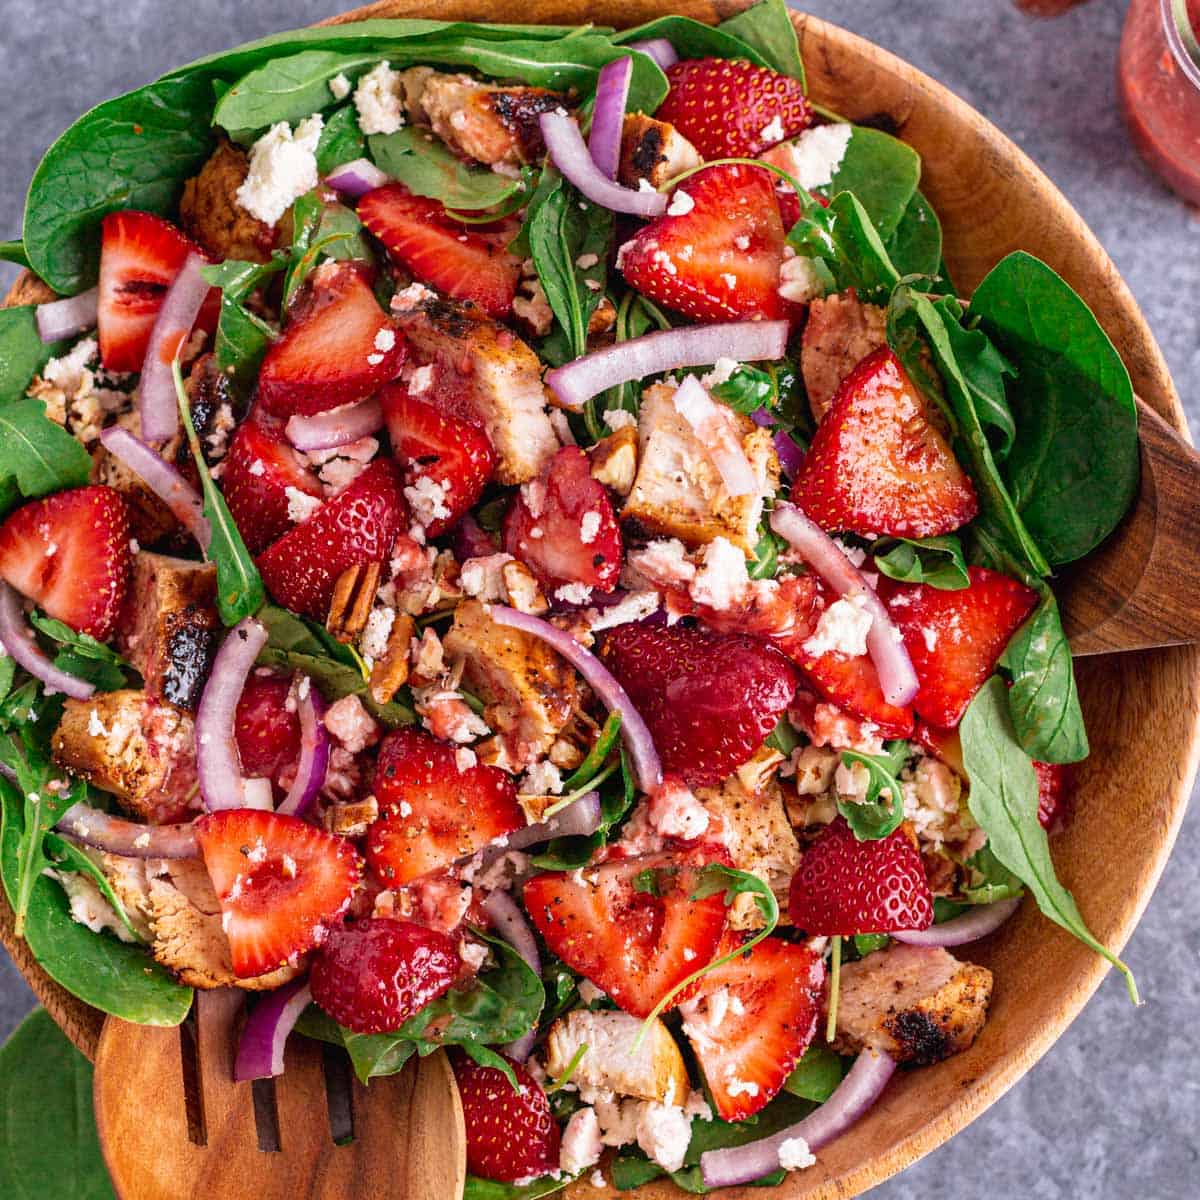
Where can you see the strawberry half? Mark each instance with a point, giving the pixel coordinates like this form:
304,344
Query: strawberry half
281,884
956,638
339,346
431,813
441,252
69,553
357,526
878,465
259,469
563,526
709,698
453,453
729,108
268,735
752,1020
844,886
511,1134
631,925
720,260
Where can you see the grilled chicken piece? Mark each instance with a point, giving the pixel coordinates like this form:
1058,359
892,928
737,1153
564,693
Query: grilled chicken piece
168,629
841,332
210,213
678,491
486,374
918,1004
528,690
654,151
654,1072
141,750
173,905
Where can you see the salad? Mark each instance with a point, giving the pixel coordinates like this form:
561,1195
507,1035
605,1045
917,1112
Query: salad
512,541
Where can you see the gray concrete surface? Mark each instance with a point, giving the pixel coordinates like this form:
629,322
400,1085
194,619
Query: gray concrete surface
1113,1111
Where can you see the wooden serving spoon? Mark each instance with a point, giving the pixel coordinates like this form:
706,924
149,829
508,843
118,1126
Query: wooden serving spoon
174,1125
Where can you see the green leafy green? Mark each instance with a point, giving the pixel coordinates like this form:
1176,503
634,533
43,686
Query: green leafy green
846,247
320,228
915,245
988,880
883,809
38,456
747,389
493,1189
606,740
616,798
766,553
767,28
817,1075
868,943
937,561
243,337
22,352
882,173
14,252
693,39
341,140
68,857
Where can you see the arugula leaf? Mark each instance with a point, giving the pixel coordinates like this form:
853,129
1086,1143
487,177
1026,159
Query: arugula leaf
783,737
817,1075
570,853
319,228
767,27
609,734
868,943
67,856
988,880
337,679
846,246
82,644
242,336
341,140
882,173
937,561
915,245
883,809
37,454
1003,799
747,389
22,352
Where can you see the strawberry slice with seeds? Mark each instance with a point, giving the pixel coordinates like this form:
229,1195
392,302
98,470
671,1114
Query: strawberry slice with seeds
1054,783
431,813
69,553
339,346
752,1020
268,735
260,468
956,638
631,925
453,454
563,526
730,108
357,526
281,884
709,699
719,260
846,887
441,252
878,465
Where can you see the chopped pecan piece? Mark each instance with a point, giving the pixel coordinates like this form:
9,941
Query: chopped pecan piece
390,672
353,597
352,819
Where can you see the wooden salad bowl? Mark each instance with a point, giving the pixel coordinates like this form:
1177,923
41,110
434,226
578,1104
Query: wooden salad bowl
992,200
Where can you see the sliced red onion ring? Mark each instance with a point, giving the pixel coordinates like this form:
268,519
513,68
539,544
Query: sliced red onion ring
658,49
608,117
356,178
181,306
581,818
715,432
884,641
274,1016
65,318
791,457
222,783
115,835
314,752
510,923
336,426
17,638
667,350
647,768
162,479
763,418
853,1097
570,155
970,927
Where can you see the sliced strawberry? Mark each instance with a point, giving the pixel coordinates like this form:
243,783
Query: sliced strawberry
281,884
1054,783
357,526
441,252
259,469
563,526
268,735
845,887
511,1135
69,553
373,975
431,813
729,108
454,454
878,465
720,260
956,638
709,699
339,346
631,925
751,1021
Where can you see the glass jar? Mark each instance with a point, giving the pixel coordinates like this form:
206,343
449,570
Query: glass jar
1158,75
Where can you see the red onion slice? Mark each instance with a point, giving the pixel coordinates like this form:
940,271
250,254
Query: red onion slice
666,350
608,117
581,818
314,752
885,643
17,638
336,426
260,1050
853,1097
181,306
115,835
791,457
162,479
570,155
715,433
647,768
222,783
970,927
658,49
65,318
356,178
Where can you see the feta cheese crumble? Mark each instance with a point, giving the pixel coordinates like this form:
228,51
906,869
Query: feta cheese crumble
339,86
589,526
619,418
379,100
681,204
799,280
794,1154
722,579
573,593
842,629
301,505
817,153
427,499
283,166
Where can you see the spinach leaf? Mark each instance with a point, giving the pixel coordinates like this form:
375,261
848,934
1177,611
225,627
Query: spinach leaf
868,943
816,1076
883,809
14,252
335,680
320,228
22,352
597,755
937,561
341,140
766,554
287,631
915,245
1073,470
767,27
68,857
1003,799
243,337
846,246
38,454
747,389
693,39
882,173
493,1189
